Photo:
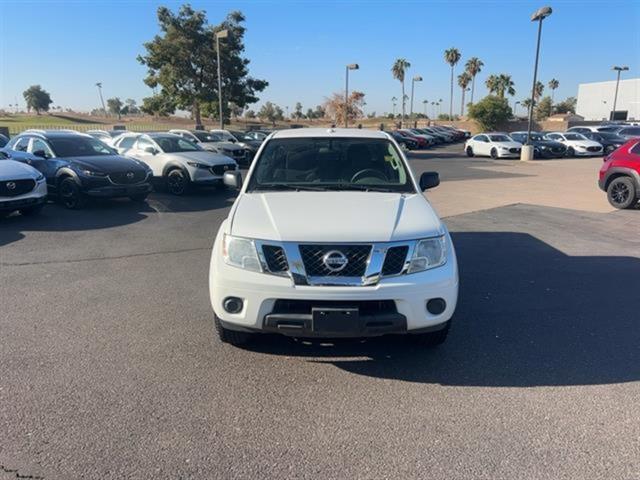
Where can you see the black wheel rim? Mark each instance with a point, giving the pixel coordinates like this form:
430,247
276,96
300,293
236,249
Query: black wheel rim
620,193
176,183
68,194
494,154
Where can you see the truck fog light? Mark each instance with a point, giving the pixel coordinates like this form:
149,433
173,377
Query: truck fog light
232,304
436,306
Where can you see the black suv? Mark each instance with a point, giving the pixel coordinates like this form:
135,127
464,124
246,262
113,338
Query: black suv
542,148
77,166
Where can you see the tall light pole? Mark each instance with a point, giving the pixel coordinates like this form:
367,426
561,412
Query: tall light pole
99,85
425,103
615,97
219,35
538,16
351,66
415,79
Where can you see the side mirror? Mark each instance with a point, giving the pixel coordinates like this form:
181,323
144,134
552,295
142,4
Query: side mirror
41,154
429,180
150,150
232,179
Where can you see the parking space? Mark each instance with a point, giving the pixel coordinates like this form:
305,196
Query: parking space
110,366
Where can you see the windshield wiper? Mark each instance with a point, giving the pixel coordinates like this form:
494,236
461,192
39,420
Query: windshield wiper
360,188
290,186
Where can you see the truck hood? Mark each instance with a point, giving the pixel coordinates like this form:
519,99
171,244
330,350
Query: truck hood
334,217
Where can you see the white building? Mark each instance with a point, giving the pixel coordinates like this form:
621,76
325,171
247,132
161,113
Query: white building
595,100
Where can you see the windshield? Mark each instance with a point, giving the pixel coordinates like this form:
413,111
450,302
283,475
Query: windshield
79,146
499,138
206,137
610,136
330,164
175,144
574,136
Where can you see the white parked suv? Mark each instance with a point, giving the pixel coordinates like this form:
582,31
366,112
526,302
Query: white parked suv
495,145
331,236
179,162
22,188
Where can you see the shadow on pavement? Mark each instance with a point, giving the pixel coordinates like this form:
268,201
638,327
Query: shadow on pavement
528,316
107,213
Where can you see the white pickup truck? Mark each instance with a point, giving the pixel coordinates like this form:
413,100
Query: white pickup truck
329,237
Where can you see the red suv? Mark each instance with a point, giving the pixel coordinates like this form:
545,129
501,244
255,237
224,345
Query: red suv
620,175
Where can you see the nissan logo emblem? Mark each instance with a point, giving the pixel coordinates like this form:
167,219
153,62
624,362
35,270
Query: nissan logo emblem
130,175
11,185
335,260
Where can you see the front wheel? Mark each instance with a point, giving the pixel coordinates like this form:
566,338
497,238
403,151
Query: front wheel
494,153
571,152
431,339
231,337
469,152
70,195
621,193
178,182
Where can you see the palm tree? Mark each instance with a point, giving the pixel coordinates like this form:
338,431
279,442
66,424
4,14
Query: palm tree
451,56
398,70
493,84
553,84
538,89
526,103
463,81
393,102
474,66
506,85
425,103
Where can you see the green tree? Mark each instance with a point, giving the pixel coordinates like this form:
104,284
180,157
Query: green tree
310,114
463,81
526,103
500,85
490,112
538,89
452,57
493,84
553,84
130,107
319,112
566,106
474,66
37,99
544,109
159,105
250,114
182,61
271,112
398,70
114,105
297,112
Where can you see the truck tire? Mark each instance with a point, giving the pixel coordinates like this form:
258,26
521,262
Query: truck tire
231,336
621,193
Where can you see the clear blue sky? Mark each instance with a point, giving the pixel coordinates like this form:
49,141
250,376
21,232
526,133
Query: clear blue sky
301,47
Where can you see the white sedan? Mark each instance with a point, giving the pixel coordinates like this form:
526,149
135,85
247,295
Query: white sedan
495,145
577,144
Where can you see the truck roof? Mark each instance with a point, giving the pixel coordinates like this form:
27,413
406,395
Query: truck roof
329,133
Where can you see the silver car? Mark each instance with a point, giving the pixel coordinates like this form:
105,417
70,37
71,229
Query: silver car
179,162
213,142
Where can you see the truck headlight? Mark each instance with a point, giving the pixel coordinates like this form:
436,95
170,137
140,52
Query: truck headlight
429,253
241,252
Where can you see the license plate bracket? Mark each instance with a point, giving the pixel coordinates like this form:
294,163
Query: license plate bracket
335,320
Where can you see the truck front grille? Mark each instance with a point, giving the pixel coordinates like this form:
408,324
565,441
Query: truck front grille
275,258
315,266
394,260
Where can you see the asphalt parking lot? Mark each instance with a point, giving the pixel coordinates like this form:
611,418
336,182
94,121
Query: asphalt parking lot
110,368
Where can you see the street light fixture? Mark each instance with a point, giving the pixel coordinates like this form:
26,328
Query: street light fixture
219,35
515,107
351,66
615,97
415,79
538,16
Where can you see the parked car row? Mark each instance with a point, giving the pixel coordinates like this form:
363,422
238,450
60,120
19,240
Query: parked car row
72,166
425,137
575,142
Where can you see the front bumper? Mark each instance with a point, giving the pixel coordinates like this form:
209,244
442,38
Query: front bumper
35,197
548,153
260,292
119,190
204,176
586,153
508,154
